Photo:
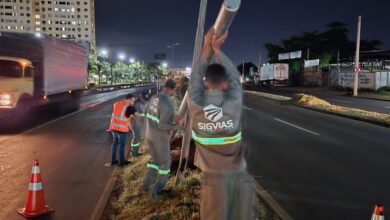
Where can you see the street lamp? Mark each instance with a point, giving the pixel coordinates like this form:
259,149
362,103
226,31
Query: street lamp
165,64
104,53
38,35
172,47
121,56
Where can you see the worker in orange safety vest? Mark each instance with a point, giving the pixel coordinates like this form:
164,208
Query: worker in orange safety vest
120,127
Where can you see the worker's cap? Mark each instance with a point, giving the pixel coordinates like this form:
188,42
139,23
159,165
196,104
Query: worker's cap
170,84
130,96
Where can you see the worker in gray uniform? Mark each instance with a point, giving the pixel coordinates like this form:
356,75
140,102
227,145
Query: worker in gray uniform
215,102
160,125
136,126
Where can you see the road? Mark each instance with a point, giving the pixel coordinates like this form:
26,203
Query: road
331,96
317,166
72,151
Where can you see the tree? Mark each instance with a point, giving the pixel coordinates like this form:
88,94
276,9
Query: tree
326,44
273,51
93,62
247,68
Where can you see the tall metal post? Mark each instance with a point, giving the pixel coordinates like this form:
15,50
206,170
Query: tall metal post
357,70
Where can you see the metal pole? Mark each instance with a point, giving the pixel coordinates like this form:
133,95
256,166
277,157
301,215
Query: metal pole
183,111
356,70
308,53
243,72
173,56
259,61
112,76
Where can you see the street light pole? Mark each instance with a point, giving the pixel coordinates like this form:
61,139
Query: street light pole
172,47
357,70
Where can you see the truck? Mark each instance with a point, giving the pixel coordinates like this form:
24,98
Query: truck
37,70
272,73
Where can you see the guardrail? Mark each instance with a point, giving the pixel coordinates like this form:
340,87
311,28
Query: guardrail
118,87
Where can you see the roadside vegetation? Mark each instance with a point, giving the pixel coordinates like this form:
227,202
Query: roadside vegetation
384,91
128,201
316,103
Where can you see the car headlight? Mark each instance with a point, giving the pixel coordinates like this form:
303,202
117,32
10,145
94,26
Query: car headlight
5,99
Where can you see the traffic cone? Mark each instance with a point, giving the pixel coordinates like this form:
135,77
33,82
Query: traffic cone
379,212
35,201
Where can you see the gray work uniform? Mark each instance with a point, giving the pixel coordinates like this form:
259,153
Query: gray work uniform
159,114
227,190
136,128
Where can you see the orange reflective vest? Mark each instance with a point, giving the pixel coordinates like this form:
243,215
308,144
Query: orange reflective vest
119,122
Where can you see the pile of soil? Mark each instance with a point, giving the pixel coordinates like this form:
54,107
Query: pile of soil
175,152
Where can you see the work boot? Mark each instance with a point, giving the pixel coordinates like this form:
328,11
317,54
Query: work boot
124,163
159,185
114,162
150,179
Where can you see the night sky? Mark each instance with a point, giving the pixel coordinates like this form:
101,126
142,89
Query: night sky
141,28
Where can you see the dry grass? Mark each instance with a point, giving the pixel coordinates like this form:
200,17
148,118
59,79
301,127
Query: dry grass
316,103
134,203
130,202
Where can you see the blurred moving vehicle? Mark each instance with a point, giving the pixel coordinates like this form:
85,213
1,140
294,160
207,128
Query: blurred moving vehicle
37,70
272,73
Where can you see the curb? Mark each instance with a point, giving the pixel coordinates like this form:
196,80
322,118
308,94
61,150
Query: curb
320,110
271,202
105,196
377,99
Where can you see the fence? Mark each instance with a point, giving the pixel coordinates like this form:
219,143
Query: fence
343,77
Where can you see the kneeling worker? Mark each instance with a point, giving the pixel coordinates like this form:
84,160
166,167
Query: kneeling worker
120,127
160,124
215,102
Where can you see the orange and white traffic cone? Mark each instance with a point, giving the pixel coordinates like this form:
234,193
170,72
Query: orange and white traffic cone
35,201
379,212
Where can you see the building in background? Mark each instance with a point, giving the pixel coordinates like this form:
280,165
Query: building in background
72,20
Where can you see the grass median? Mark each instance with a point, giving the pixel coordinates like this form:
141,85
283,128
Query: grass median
127,201
315,103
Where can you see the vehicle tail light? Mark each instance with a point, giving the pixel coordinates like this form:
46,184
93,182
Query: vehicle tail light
5,99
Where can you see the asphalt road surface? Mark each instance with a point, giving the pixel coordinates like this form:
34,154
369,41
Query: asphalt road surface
72,151
317,166
331,96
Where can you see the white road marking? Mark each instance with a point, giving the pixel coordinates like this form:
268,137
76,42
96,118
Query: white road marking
336,100
296,126
388,107
246,108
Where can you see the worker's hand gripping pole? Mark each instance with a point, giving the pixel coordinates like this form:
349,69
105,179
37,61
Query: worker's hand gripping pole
225,18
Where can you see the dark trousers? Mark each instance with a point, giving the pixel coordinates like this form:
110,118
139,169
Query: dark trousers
119,139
